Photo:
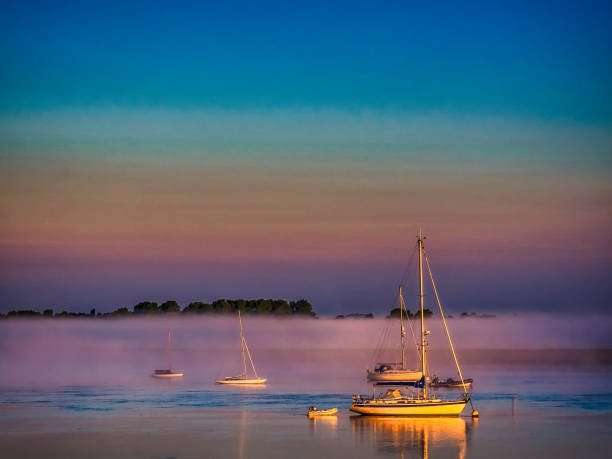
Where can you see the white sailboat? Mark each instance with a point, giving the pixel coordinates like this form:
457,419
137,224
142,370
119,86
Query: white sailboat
396,403
243,378
168,373
395,372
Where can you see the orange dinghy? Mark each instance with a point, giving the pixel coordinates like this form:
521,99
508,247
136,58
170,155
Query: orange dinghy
314,412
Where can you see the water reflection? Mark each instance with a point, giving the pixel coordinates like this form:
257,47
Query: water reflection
242,434
324,427
413,437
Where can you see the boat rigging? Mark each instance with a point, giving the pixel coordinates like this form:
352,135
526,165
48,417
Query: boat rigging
396,403
243,378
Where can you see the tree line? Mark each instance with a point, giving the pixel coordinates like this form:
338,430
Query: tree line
279,307
395,313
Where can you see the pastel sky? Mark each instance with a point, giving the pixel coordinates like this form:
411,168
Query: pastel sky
193,151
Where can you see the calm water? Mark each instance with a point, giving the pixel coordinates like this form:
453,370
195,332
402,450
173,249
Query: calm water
528,408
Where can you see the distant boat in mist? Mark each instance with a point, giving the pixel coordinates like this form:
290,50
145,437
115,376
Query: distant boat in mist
395,372
243,378
168,373
451,383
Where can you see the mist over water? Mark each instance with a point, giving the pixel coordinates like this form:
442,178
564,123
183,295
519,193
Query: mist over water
123,351
66,384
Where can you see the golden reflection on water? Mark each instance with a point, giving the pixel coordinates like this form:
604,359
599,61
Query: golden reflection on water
324,426
413,437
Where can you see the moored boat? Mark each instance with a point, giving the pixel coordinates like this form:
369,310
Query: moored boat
243,378
395,372
386,373
451,383
314,412
394,402
240,380
397,403
168,373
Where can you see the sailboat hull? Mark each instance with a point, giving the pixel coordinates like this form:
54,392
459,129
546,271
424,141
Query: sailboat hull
395,376
167,375
410,408
242,381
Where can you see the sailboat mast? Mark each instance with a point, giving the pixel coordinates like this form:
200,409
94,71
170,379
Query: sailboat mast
423,352
169,350
402,331
244,368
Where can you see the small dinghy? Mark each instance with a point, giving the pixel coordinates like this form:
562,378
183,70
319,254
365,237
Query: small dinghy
451,383
314,412
167,373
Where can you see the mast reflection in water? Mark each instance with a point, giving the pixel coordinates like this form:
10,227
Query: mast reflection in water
413,437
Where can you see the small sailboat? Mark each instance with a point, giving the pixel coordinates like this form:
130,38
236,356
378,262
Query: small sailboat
395,372
168,373
394,402
243,378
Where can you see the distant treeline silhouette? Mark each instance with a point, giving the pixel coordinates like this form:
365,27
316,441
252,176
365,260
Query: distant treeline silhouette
395,313
301,308
409,315
356,315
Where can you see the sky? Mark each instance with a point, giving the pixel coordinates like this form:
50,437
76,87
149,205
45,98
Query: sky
195,151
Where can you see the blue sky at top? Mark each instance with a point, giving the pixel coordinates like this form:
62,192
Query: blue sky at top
548,60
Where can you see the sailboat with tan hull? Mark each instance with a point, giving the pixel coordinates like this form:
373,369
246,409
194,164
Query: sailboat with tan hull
243,378
394,402
168,373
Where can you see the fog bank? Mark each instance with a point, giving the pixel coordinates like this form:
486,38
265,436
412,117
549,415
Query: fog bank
80,351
